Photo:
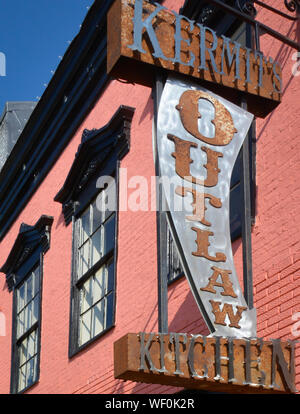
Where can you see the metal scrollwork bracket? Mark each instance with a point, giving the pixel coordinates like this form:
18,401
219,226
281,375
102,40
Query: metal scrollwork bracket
292,5
246,7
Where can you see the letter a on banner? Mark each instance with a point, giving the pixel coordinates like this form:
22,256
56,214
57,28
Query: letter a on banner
199,137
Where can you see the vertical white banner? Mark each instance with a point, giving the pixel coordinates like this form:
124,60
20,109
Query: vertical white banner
199,137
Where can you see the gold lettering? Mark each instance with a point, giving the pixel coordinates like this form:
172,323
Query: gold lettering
226,282
189,114
202,246
198,203
183,161
212,167
220,315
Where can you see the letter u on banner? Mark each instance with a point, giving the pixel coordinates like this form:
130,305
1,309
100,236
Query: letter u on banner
199,137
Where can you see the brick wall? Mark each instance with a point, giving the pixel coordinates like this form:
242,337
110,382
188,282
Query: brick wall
275,238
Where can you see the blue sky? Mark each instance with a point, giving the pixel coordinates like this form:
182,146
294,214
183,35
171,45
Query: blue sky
33,34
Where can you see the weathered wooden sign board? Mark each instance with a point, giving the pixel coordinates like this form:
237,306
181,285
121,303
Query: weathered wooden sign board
143,36
207,363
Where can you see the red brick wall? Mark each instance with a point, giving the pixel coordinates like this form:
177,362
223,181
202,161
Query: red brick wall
275,240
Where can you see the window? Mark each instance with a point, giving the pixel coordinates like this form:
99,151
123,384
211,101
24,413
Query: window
94,217
27,321
23,269
94,264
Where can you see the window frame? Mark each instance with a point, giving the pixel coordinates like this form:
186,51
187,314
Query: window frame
99,154
32,242
34,262
84,201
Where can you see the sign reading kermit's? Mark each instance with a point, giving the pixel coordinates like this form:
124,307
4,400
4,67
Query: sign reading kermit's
142,36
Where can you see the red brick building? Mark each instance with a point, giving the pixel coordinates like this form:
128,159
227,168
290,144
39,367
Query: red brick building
75,280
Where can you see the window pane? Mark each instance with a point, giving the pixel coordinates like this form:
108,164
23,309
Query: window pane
27,361
85,225
96,247
109,309
87,295
97,217
20,323
109,234
99,203
98,318
23,352
28,315
35,313
85,327
83,261
99,284
21,297
22,378
31,345
29,289
31,371
110,276
110,200
36,277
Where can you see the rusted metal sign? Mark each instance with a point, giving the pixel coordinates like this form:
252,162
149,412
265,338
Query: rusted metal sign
142,36
199,362
199,136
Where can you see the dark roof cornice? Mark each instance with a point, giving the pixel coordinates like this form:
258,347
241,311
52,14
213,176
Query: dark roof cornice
28,240
70,95
95,149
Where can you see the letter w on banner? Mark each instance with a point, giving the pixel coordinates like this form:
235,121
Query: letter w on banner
199,137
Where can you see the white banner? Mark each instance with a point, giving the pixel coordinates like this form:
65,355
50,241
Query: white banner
199,137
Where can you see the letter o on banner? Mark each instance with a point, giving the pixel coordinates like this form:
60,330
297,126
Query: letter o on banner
189,114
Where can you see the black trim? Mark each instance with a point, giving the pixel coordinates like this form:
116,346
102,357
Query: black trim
97,146
30,242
